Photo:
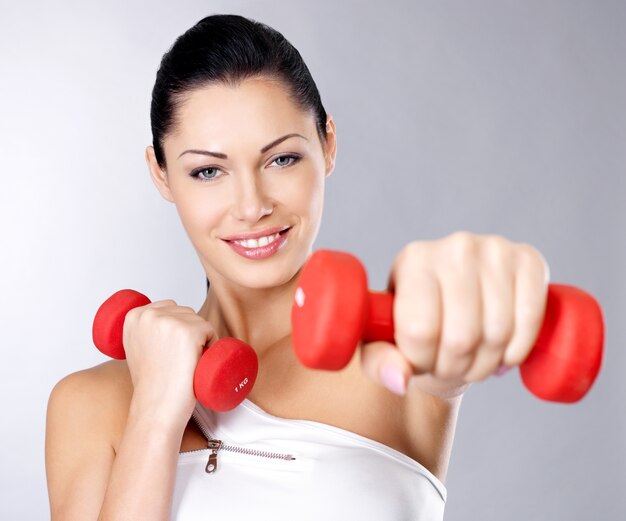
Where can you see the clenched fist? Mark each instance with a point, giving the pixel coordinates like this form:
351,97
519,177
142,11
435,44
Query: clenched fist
465,306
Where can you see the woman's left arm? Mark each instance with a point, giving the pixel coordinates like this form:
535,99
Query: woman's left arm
464,306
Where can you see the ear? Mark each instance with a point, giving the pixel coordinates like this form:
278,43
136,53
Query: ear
331,145
158,175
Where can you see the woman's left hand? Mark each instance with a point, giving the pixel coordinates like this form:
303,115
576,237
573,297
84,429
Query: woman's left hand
464,306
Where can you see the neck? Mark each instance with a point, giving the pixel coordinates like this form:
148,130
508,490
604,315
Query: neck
259,317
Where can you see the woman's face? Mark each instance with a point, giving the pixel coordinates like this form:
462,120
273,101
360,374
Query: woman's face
231,172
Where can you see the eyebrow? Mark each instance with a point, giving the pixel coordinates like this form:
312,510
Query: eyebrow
224,156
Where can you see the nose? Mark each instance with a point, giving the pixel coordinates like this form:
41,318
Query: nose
251,202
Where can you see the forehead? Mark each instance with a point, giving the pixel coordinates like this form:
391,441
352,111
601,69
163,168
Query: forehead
254,106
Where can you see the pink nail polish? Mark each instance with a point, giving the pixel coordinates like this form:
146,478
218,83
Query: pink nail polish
393,379
501,370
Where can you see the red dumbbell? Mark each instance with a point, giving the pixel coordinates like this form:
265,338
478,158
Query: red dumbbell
224,375
333,311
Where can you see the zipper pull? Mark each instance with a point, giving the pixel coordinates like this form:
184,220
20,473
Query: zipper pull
211,465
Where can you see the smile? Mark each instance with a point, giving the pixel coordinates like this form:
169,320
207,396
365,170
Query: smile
260,247
257,243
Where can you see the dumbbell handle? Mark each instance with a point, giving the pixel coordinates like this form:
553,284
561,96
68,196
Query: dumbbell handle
568,348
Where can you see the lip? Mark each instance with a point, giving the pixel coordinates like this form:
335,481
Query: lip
261,252
255,235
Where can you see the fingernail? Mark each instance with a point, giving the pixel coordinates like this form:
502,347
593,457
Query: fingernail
393,379
501,370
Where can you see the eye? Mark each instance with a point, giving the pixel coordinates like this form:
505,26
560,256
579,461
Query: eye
205,173
286,160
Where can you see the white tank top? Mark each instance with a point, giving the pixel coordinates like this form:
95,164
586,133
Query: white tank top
336,474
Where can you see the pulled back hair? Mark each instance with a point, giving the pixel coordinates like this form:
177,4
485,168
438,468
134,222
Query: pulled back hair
227,49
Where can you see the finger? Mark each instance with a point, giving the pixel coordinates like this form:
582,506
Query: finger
162,303
531,291
383,363
498,299
417,318
204,334
462,323
210,336
148,308
183,310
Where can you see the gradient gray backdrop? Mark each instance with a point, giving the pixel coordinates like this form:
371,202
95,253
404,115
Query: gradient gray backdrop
489,116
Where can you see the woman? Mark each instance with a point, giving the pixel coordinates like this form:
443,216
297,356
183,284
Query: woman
242,146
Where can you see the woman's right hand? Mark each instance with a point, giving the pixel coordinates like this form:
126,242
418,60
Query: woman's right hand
163,344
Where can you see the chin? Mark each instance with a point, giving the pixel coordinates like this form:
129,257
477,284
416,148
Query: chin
257,283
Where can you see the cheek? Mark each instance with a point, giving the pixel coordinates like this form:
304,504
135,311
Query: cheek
200,211
303,194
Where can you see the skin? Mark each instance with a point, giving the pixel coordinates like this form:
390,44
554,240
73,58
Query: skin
464,305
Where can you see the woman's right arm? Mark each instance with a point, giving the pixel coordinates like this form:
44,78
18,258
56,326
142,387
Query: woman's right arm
88,479
142,477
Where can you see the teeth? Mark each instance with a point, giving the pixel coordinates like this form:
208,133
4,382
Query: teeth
258,243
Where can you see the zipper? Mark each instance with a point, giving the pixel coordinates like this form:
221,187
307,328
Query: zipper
215,445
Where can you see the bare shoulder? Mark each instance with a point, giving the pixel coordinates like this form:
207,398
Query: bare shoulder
420,424
116,369
86,414
111,373
100,393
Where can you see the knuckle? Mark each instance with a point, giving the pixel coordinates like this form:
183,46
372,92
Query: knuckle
148,313
420,360
462,342
167,323
496,240
418,333
414,253
514,358
517,353
158,303
483,366
474,376
497,250
496,337
132,315
446,372
463,243
204,326
529,256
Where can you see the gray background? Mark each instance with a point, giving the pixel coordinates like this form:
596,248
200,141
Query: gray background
490,116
